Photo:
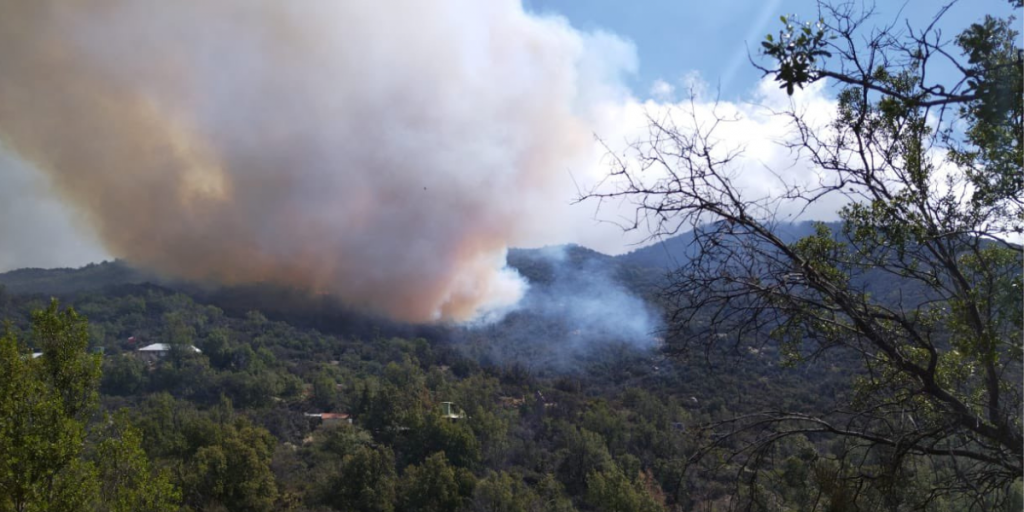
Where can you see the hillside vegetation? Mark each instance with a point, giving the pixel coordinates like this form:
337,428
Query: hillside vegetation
546,421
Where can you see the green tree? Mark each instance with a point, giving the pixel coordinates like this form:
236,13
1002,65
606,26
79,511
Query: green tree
44,406
218,348
921,280
234,473
325,392
502,492
385,412
129,484
365,482
610,490
431,433
123,375
552,495
339,441
434,486
46,403
585,452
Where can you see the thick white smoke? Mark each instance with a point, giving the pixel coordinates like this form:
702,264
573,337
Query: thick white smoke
387,152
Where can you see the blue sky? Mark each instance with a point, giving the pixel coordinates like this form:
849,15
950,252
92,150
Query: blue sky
711,37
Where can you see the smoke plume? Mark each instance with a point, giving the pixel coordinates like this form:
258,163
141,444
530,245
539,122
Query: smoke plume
385,152
580,304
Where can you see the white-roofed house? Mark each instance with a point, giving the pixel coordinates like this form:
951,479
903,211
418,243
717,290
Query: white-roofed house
157,351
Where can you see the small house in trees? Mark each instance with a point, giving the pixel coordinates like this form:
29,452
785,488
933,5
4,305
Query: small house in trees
328,419
157,351
450,411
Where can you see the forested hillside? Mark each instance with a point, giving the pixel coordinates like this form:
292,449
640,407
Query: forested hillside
540,417
317,308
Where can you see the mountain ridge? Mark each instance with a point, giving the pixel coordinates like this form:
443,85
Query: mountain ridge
657,258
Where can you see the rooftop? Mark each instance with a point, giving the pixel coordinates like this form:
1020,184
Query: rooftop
164,347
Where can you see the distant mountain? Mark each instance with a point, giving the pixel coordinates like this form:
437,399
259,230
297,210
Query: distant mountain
670,253
539,266
63,281
642,270
572,289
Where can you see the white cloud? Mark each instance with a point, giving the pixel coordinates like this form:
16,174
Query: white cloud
761,170
662,91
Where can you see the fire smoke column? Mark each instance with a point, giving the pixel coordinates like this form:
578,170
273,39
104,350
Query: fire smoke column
386,152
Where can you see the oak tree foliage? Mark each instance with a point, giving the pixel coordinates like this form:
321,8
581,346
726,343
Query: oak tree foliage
921,277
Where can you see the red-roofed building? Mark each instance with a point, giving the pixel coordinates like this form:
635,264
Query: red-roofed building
330,418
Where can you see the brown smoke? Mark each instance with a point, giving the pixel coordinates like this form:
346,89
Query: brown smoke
384,151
